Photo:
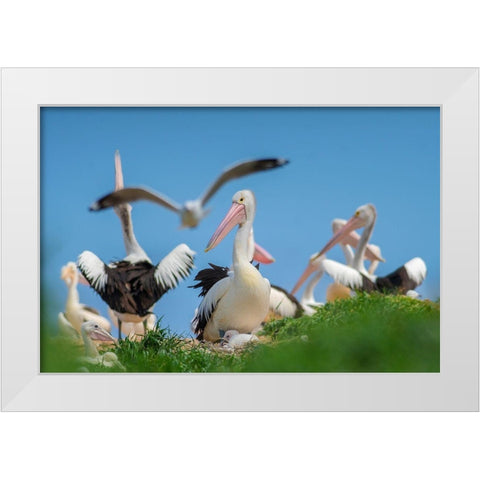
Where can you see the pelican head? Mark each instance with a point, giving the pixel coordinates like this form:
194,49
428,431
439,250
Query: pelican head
94,331
228,335
372,252
363,216
242,210
69,273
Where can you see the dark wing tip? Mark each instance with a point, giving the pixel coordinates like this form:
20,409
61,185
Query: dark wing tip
102,203
273,162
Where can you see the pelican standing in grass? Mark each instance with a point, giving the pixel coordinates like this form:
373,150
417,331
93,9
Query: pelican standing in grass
132,286
284,304
192,211
77,313
124,212
405,278
240,300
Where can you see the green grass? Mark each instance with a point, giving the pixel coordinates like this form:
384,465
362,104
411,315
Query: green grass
368,333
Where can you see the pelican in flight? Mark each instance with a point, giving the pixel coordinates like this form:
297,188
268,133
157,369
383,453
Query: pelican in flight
192,211
405,278
240,300
77,313
132,286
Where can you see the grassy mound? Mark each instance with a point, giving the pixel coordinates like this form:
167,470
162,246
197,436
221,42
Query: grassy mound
368,333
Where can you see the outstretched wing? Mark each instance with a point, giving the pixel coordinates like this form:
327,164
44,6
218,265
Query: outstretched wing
240,170
112,284
405,278
348,276
134,194
94,270
176,266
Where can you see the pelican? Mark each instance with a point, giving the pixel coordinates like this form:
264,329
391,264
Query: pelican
123,211
192,211
405,278
284,304
132,286
77,313
240,300
91,330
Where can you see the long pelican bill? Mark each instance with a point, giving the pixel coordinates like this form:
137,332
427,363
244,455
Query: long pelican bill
261,255
101,335
308,271
118,171
234,216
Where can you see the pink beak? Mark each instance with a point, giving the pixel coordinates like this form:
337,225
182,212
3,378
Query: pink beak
118,171
261,255
235,215
102,336
308,271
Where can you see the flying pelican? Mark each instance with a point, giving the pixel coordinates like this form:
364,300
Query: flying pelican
405,278
192,211
77,313
132,286
240,300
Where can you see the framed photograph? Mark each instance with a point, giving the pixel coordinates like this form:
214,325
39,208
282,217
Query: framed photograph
390,152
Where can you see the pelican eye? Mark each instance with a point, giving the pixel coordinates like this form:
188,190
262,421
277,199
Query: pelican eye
241,200
96,326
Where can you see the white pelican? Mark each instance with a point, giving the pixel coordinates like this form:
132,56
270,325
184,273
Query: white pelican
132,286
284,304
240,300
405,278
192,211
91,330
77,313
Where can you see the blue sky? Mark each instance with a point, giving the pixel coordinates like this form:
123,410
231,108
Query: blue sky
340,158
